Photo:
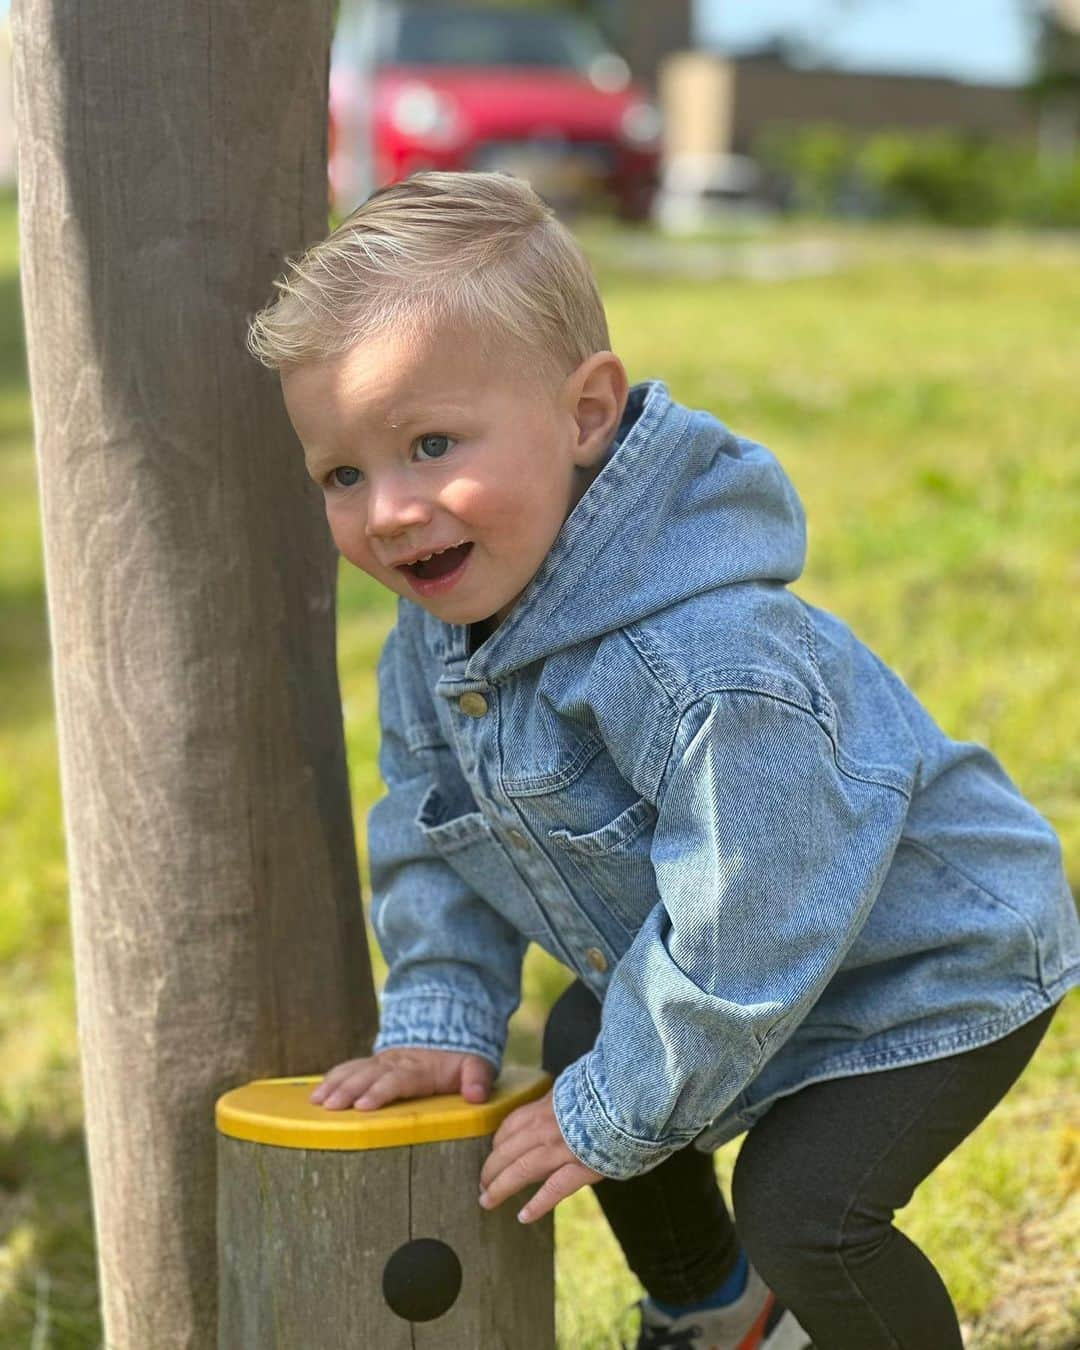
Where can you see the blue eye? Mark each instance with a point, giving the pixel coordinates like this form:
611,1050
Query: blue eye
344,476
434,446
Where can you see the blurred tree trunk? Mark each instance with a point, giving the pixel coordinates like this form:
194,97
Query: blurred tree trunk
170,156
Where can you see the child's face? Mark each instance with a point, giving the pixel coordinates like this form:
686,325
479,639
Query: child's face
427,445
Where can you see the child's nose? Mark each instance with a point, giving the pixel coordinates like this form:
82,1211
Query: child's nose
393,508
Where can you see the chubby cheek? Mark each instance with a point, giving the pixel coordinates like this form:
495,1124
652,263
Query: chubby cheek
352,542
513,524
475,505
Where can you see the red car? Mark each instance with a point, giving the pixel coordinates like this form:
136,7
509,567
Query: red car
536,93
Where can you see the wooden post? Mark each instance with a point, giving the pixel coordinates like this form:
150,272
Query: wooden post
170,157
362,1228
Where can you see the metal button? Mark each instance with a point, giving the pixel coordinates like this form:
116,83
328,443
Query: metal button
472,703
517,838
596,959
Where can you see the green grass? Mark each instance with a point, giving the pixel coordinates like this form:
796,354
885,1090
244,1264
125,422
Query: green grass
923,397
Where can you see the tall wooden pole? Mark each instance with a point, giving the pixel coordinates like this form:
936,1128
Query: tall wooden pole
170,156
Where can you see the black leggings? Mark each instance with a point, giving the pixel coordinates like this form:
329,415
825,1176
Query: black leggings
816,1184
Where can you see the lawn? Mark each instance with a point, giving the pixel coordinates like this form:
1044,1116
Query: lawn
923,395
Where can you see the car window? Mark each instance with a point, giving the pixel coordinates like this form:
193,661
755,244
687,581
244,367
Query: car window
464,37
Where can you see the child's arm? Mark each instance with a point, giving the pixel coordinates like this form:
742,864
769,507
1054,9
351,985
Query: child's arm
454,974
768,859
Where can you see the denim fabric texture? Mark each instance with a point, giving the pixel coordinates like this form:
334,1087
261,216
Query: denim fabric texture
710,801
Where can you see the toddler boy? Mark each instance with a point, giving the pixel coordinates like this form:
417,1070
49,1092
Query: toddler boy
793,906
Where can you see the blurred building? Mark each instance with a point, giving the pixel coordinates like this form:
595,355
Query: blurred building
720,105
717,105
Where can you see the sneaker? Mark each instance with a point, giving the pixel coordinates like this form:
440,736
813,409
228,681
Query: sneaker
755,1321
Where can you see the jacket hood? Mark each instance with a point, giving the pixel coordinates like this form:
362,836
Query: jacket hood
681,506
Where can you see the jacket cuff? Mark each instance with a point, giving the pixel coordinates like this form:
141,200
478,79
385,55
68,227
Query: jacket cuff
436,1020
594,1138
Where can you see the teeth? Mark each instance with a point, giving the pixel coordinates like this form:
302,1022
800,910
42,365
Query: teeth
441,550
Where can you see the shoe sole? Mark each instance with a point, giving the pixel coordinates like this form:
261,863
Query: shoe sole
774,1329
782,1331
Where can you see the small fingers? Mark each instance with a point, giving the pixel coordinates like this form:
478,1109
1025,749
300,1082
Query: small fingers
558,1186
390,1087
375,1087
507,1178
335,1077
476,1079
342,1089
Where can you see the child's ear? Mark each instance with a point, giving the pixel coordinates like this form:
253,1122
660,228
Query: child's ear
596,394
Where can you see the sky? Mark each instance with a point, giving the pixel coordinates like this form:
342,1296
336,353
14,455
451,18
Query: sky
981,40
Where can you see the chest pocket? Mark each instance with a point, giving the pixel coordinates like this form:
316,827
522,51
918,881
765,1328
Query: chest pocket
597,831
615,861
467,844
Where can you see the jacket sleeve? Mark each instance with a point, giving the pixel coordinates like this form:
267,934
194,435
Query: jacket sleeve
768,858
454,963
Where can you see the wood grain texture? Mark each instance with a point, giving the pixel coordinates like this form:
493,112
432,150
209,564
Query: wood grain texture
507,1299
170,157
304,1237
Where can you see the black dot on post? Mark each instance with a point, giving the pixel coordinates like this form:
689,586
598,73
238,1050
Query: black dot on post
422,1279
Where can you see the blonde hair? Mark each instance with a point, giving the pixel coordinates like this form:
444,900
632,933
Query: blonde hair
475,249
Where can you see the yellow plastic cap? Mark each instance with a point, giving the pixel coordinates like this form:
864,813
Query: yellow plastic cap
277,1111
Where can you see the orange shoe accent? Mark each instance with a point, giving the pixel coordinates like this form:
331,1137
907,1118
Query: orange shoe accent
752,1339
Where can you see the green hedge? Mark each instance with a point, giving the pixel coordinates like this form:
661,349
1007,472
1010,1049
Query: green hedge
948,178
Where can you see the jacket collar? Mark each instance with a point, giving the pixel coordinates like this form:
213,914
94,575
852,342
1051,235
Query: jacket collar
680,506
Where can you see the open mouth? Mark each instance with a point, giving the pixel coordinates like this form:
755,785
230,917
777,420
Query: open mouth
439,564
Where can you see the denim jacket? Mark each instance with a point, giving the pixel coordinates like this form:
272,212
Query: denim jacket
711,802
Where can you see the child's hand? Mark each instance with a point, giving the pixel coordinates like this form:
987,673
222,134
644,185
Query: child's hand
528,1146
407,1072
